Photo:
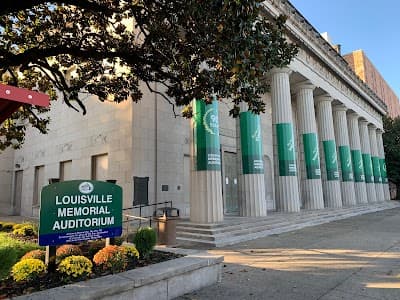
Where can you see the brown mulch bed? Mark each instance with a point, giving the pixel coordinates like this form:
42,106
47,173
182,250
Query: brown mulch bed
9,288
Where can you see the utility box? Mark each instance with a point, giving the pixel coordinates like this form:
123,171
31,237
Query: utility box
166,218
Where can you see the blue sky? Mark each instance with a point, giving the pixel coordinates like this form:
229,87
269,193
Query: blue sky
370,25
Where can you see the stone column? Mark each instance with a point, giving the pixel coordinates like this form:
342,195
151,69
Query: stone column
329,166
310,169
367,162
343,144
356,157
376,170
381,151
206,186
252,201
287,190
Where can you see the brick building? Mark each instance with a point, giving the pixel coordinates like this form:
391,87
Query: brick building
364,68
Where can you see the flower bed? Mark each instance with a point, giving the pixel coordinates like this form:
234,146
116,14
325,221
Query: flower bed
25,272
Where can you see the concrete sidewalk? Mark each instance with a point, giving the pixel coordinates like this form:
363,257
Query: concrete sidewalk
355,258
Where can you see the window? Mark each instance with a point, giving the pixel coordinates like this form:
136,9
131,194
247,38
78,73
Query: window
65,170
38,184
100,167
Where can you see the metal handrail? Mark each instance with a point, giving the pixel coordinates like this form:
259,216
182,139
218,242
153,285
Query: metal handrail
140,206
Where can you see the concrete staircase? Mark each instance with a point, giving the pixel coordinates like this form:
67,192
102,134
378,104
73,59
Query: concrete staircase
239,229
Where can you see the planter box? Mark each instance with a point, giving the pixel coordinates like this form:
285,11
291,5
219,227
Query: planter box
165,280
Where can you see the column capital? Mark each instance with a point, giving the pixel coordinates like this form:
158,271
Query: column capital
323,98
372,127
380,130
304,85
281,70
339,107
353,115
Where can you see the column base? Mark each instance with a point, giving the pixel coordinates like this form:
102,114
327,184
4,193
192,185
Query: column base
348,193
206,197
386,192
288,199
380,196
361,192
253,203
312,194
332,195
371,194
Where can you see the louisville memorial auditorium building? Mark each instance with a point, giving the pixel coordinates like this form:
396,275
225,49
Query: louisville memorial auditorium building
318,146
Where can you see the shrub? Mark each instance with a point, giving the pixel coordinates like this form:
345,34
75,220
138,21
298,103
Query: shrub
67,250
28,269
8,226
95,246
8,259
24,230
37,254
111,258
145,240
75,266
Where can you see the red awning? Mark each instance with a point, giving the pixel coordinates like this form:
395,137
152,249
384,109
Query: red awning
11,98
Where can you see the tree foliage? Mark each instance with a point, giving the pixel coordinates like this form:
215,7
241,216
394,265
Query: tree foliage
190,48
391,144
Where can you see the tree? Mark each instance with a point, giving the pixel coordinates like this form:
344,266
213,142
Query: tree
391,144
190,48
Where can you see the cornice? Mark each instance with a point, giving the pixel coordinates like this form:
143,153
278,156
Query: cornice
311,39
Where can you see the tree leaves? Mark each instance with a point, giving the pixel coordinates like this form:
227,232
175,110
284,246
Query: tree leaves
192,49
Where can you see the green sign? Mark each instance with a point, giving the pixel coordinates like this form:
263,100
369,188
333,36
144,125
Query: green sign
206,136
376,169
369,176
345,163
251,143
357,166
383,170
78,210
311,155
286,149
331,164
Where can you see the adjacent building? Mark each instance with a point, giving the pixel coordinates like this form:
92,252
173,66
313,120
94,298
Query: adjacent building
317,146
364,69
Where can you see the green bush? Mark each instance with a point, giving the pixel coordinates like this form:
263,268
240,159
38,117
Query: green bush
19,247
75,266
8,259
95,246
67,250
28,269
37,254
24,230
145,240
111,258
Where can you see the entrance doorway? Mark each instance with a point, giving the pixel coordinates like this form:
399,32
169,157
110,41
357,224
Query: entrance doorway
230,184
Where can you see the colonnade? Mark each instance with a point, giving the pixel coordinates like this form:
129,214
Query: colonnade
342,163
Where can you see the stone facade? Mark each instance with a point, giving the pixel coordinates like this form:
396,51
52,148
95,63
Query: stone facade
305,140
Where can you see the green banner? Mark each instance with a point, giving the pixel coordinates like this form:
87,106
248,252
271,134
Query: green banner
251,143
331,164
369,176
311,155
286,149
358,167
345,163
376,169
206,136
382,163
78,210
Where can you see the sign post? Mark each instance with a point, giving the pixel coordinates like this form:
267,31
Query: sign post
78,210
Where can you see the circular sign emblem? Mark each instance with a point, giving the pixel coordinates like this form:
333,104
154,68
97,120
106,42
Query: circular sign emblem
86,187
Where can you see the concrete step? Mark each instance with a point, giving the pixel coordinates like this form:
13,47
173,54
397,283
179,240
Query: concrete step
238,229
